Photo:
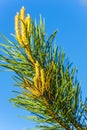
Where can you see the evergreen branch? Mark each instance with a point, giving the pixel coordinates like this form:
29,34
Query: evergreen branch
50,89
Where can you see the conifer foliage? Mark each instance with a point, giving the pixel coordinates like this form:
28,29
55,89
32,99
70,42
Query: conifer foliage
49,86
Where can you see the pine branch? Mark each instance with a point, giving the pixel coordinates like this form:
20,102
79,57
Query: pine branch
50,89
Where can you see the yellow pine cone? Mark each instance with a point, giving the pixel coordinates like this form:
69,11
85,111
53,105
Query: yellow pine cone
35,81
22,18
37,66
28,24
37,89
27,19
23,26
22,13
17,30
42,80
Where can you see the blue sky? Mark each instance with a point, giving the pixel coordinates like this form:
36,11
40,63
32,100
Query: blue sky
70,18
